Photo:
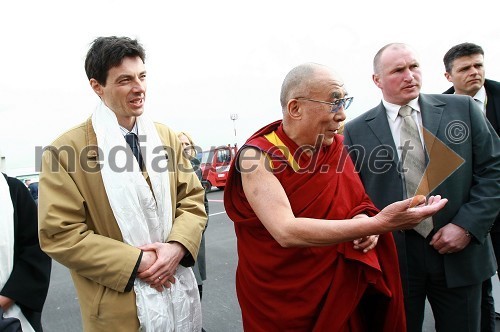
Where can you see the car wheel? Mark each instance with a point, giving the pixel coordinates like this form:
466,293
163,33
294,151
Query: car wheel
207,185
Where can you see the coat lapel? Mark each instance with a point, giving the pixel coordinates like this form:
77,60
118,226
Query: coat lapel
377,121
432,112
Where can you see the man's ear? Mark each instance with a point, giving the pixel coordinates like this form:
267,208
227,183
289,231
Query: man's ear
448,76
376,80
293,109
96,86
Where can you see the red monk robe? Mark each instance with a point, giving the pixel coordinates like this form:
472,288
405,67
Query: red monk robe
330,288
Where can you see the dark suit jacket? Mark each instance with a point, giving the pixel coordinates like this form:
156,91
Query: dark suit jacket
493,102
28,283
473,190
493,114
33,188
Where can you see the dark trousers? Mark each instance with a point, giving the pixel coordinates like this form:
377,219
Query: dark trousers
495,240
487,307
487,302
455,309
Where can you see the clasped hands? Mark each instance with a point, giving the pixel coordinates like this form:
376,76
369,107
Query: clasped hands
159,263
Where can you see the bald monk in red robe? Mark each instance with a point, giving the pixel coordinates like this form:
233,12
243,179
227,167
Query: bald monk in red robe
314,253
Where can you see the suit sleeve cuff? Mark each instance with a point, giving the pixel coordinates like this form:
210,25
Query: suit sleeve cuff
187,260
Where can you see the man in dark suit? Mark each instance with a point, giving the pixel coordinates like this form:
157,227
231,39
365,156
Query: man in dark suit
464,64
25,268
33,188
448,265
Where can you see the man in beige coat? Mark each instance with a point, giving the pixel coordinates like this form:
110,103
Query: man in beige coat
115,225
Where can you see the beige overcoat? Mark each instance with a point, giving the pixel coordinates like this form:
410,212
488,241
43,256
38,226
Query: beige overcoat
78,228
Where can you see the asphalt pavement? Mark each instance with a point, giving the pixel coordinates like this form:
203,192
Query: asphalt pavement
221,312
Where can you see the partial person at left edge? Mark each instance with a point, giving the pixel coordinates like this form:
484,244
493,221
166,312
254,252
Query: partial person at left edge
25,272
121,208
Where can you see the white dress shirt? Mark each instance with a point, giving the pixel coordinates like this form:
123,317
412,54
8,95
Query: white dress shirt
134,130
392,111
480,98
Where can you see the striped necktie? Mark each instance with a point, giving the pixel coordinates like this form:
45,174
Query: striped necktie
413,157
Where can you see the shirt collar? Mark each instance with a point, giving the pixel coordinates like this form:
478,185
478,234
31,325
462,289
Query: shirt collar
393,109
134,130
481,95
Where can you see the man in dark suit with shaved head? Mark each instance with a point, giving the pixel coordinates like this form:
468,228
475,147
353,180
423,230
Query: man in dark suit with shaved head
459,159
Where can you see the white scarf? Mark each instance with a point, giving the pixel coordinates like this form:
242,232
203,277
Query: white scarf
7,249
144,218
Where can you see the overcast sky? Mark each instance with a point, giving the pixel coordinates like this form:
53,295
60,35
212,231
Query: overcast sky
208,59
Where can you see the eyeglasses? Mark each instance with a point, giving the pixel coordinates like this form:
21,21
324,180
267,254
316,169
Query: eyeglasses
336,105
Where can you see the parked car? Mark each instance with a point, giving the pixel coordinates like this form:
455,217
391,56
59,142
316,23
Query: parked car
215,164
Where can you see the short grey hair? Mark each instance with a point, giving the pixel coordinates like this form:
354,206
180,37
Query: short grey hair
376,59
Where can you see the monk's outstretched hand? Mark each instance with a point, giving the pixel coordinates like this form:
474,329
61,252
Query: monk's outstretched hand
408,213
